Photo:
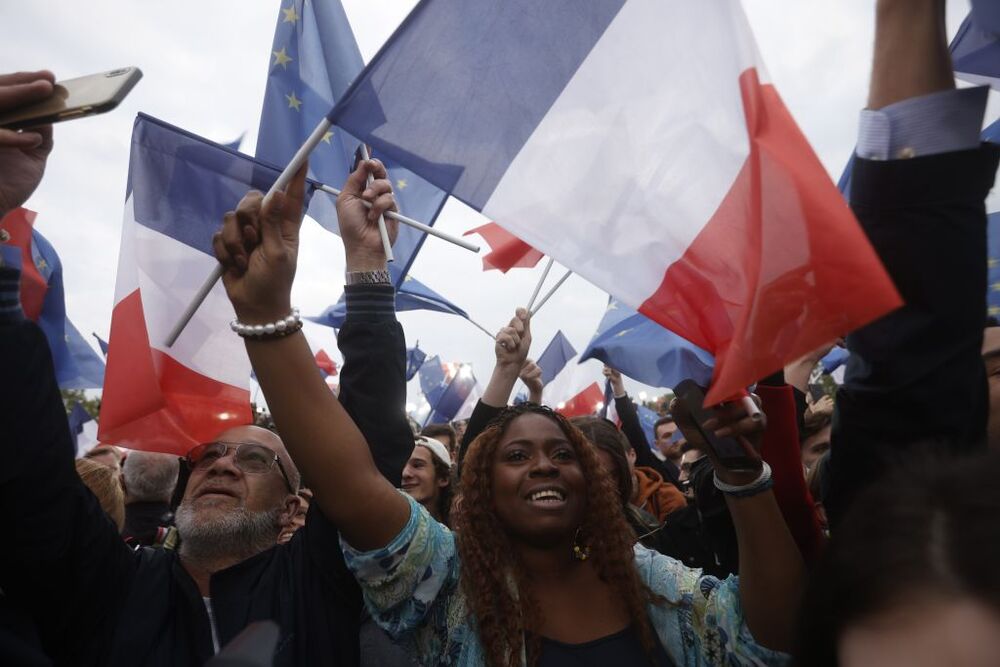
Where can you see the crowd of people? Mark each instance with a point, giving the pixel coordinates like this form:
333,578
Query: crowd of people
863,530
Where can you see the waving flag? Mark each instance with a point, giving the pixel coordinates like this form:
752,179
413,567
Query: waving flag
410,295
643,350
84,429
975,50
555,357
77,365
507,251
101,343
414,360
170,399
586,402
451,396
678,182
432,379
314,57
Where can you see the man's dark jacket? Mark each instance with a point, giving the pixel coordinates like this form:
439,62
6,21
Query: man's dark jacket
96,602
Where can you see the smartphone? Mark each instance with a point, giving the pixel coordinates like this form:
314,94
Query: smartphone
817,391
75,98
728,451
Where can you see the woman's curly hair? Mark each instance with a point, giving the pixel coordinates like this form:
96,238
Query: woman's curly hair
494,581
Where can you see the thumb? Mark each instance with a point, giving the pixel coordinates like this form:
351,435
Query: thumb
281,214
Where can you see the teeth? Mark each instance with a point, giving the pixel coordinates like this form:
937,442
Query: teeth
547,495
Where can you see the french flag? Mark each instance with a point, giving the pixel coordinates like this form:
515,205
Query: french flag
170,399
565,387
641,144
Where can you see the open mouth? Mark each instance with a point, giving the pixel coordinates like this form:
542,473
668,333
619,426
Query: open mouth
547,498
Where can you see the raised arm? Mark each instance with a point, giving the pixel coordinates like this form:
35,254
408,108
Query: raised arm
258,247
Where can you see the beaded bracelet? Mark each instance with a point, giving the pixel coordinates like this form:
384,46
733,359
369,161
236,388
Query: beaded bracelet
759,485
278,329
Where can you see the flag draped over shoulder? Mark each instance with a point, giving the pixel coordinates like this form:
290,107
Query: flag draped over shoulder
679,182
643,350
170,399
314,57
43,300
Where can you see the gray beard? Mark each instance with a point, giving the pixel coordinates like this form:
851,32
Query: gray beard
225,539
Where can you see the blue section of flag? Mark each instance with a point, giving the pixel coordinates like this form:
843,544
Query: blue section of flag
993,265
609,396
647,419
101,343
234,145
554,358
410,295
432,95
834,359
975,49
643,350
314,57
77,365
415,358
190,182
451,399
78,416
432,380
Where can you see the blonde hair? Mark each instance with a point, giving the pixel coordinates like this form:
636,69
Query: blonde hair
106,485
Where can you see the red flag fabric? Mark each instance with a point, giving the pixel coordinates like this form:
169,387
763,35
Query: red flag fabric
325,363
587,402
507,251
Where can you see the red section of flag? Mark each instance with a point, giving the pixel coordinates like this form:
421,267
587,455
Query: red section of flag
325,363
18,224
154,403
783,265
587,402
507,251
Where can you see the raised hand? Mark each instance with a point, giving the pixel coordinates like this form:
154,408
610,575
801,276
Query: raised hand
258,246
23,154
358,223
513,342
531,376
617,384
731,421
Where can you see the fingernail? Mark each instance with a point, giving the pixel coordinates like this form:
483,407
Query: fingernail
367,193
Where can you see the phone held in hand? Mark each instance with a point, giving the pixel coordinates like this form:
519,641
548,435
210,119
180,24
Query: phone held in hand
75,98
728,451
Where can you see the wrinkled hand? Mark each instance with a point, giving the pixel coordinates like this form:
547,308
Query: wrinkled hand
531,376
258,247
732,421
617,383
513,342
358,223
823,407
23,154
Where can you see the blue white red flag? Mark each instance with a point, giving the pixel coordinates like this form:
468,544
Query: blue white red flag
644,351
314,57
43,300
641,144
170,399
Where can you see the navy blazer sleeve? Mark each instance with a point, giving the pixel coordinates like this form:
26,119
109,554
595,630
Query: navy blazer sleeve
916,377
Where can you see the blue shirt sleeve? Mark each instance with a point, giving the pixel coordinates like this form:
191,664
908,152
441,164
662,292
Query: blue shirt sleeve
942,122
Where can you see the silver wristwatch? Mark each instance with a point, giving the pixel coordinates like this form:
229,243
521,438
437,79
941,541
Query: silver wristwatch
379,277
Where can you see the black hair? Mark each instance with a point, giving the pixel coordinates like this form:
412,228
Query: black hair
606,437
929,529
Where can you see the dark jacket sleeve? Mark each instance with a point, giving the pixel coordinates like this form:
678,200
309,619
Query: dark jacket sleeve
915,378
637,438
481,416
373,380
62,560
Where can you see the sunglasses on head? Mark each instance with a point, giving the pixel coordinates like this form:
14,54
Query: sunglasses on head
249,457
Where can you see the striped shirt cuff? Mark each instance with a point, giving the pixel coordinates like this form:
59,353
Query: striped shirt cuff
370,303
943,122
10,295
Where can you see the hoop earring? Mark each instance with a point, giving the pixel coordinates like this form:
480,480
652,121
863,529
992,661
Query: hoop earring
580,553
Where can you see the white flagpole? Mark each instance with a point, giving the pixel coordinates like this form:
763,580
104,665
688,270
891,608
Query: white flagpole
538,287
551,292
386,244
482,328
293,166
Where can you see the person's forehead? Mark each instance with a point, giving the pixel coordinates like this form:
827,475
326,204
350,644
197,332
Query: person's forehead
532,427
669,426
991,341
253,434
422,453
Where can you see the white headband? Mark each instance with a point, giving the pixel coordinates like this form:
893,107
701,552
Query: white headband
437,449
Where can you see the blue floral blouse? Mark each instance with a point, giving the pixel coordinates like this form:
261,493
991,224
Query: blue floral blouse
412,590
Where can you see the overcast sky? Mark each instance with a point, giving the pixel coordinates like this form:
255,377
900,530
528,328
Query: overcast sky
205,65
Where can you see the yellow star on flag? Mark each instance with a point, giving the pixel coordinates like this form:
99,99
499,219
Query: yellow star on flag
995,287
612,306
401,183
291,16
994,311
993,262
42,264
622,333
282,58
327,135
407,279
293,102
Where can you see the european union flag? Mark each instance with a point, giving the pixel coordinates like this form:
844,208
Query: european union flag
647,418
557,353
314,57
453,396
411,294
414,360
643,350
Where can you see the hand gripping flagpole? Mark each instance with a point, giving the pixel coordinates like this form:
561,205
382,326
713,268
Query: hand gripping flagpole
293,166
386,243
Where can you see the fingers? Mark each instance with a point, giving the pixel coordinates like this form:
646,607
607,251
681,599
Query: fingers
21,93
21,140
523,316
281,214
26,77
232,241
222,248
357,182
508,339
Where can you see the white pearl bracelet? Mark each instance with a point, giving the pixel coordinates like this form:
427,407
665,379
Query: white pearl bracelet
759,485
283,327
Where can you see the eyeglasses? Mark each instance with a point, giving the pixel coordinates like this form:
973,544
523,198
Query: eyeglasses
249,457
